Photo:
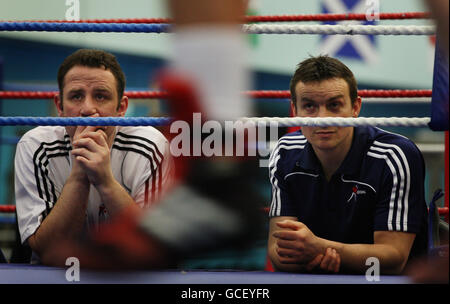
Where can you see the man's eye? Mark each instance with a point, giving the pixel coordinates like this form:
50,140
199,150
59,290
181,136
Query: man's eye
100,97
334,105
76,97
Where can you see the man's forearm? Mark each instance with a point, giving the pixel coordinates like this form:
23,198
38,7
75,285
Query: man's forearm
67,217
115,197
354,256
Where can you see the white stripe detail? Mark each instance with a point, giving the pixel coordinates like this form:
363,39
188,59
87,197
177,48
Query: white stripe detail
391,132
297,141
394,186
155,162
276,199
302,173
351,196
401,193
292,141
285,139
294,137
275,206
408,180
357,182
291,147
131,143
45,182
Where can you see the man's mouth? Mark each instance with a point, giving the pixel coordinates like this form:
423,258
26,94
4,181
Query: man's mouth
324,133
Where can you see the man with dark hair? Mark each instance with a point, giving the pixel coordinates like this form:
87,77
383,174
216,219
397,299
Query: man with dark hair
345,193
320,68
93,59
204,211
69,180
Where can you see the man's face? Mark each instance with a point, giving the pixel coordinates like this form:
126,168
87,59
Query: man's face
327,98
90,92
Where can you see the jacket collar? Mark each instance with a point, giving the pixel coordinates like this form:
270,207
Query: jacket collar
309,162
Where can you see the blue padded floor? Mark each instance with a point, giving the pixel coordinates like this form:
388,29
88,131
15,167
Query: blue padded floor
37,274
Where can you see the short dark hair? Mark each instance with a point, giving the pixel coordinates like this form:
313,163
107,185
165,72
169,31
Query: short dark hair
316,69
94,59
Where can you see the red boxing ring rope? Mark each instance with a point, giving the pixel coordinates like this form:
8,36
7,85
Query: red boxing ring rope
7,208
252,19
253,94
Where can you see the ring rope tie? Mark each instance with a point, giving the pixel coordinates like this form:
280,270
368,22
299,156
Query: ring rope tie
250,19
247,28
163,121
254,94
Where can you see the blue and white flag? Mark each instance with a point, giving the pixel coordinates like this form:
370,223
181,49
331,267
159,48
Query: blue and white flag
357,47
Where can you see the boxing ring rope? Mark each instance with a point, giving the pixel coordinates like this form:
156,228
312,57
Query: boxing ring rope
281,121
252,19
347,29
162,25
278,94
398,100
266,121
7,208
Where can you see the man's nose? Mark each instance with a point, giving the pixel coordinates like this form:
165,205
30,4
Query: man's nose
88,107
322,111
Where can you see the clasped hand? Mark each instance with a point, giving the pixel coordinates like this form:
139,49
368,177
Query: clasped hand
91,152
296,244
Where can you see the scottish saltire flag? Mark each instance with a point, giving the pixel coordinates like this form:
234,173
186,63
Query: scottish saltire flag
358,47
439,97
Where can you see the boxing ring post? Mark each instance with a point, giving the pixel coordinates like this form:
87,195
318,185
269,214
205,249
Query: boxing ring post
446,179
1,129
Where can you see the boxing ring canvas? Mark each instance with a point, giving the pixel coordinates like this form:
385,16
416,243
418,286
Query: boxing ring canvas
37,274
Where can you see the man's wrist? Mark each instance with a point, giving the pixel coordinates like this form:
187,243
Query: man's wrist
323,244
79,177
105,189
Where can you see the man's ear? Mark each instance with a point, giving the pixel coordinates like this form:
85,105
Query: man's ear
293,109
357,106
57,100
123,106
